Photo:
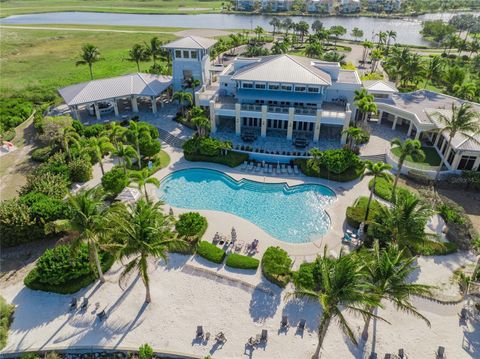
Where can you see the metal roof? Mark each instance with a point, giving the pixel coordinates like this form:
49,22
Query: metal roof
191,42
138,84
283,69
379,85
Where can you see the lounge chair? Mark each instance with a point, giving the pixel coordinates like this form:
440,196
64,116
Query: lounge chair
253,247
265,168
464,314
73,304
84,303
346,239
284,322
244,166
277,169
220,337
264,336
250,166
199,332
388,356
373,355
295,170
441,353
207,336
270,169
401,354
259,167
102,315
251,342
239,246
301,325
216,238
289,170
284,169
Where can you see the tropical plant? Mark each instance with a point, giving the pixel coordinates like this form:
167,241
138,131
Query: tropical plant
98,147
137,54
276,24
314,50
89,56
357,33
365,103
409,147
68,136
279,47
183,98
340,285
125,153
192,84
367,45
153,49
136,131
142,178
86,224
139,232
259,31
355,136
376,170
203,125
465,90
434,69
376,55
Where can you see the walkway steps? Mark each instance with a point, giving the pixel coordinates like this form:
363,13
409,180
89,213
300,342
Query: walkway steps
374,158
170,139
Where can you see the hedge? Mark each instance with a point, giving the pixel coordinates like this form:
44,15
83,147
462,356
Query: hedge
191,224
55,261
6,314
276,266
210,252
42,154
231,159
356,214
433,248
349,175
235,260
384,187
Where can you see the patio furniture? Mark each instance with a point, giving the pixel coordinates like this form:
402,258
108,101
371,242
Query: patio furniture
102,315
259,167
220,337
239,246
262,338
401,354
251,342
265,168
244,166
301,325
289,170
295,170
84,303
277,170
300,142
270,169
253,246
284,322
283,168
199,331
73,303
216,238
441,353
464,314
373,355
207,336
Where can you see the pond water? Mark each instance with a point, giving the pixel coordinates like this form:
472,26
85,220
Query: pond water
408,29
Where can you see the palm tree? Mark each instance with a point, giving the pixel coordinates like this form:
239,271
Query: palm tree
142,178
124,154
314,50
203,125
89,56
192,84
390,35
137,53
362,101
182,97
463,120
317,25
99,147
154,48
139,232
367,45
86,223
434,69
302,27
333,56
68,136
134,133
465,90
287,24
389,271
376,170
366,107
341,285
116,132
376,56
355,135
279,47
409,147
275,23
259,31
357,33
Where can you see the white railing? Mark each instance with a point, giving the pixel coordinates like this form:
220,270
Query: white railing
424,168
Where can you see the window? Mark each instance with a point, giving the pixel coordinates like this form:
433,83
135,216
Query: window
314,89
286,87
466,163
451,156
300,89
440,142
187,74
274,87
193,54
260,86
247,85
186,54
380,95
178,54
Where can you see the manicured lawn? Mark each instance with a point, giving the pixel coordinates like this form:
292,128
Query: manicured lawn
46,58
431,156
119,6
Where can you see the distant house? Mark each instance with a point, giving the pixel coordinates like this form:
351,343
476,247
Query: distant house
247,5
349,6
277,5
384,5
320,6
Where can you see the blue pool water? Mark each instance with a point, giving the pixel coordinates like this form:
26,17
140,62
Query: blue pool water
291,214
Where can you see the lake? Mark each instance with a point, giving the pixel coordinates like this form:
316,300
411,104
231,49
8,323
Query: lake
408,29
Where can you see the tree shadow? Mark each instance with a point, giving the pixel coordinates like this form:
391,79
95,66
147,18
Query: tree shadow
176,261
300,309
264,302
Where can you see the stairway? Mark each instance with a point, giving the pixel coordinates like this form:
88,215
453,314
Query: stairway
374,158
170,139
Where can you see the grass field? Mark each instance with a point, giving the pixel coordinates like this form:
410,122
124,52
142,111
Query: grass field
46,58
431,156
16,7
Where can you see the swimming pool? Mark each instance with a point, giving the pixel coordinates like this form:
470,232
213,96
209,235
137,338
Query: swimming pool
292,214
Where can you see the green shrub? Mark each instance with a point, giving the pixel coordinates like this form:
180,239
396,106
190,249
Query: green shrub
356,214
338,161
473,179
384,187
276,266
191,224
235,260
304,277
61,270
450,214
80,170
17,225
30,356
433,248
54,185
210,147
42,154
13,111
312,170
149,147
231,159
56,165
8,135
44,208
145,351
93,130
6,314
210,252
115,180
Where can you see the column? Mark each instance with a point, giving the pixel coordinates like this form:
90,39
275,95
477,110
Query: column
97,110
346,124
213,123
291,116
417,135
134,104
115,107
197,97
476,164
75,113
394,122
263,132
316,128
238,119
154,104
410,128
380,115
456,160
